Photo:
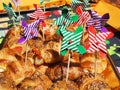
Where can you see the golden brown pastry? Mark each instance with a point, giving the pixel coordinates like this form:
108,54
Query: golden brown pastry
17,48
74,72
6,83
41,67
88,62
92,82
55,72
41,82
49,55
6,57
75,58
63,85
110,77
54,3
53,45
58,72
71,28
19,70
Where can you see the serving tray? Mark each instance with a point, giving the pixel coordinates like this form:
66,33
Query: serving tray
112,76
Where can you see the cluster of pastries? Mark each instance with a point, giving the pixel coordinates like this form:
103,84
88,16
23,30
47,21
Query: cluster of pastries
38,65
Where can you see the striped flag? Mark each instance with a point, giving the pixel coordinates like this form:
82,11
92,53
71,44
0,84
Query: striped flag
39,14
10,11
3,33
75,4
71,40
30,31
97,40
95,20
98,21
1,39
16,2
84,16
63,21
86,5
42,1
66,20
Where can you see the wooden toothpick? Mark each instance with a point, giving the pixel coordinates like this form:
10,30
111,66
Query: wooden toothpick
14,26
44,8
19,12
68,67
83,34
60,46
43,34
96,57
26,55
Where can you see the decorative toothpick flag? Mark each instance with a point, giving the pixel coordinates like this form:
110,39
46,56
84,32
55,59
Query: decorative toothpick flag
39,14
98,21
10,11
66,19
71,41
16,2
86,5
1,39
2,35
84,16
97,41
68,68
75,4
63,21
112,49
42,1
30,31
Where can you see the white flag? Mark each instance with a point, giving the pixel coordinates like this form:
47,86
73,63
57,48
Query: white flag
16,2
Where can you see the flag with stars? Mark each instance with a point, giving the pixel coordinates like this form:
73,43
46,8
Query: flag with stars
71,41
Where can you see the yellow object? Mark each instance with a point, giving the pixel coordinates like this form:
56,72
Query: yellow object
28,4
25,4
103,7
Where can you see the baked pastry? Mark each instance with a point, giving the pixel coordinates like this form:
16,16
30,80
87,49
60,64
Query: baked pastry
93,82
36,82
58,72
63,85
88,62
6,83
38,65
